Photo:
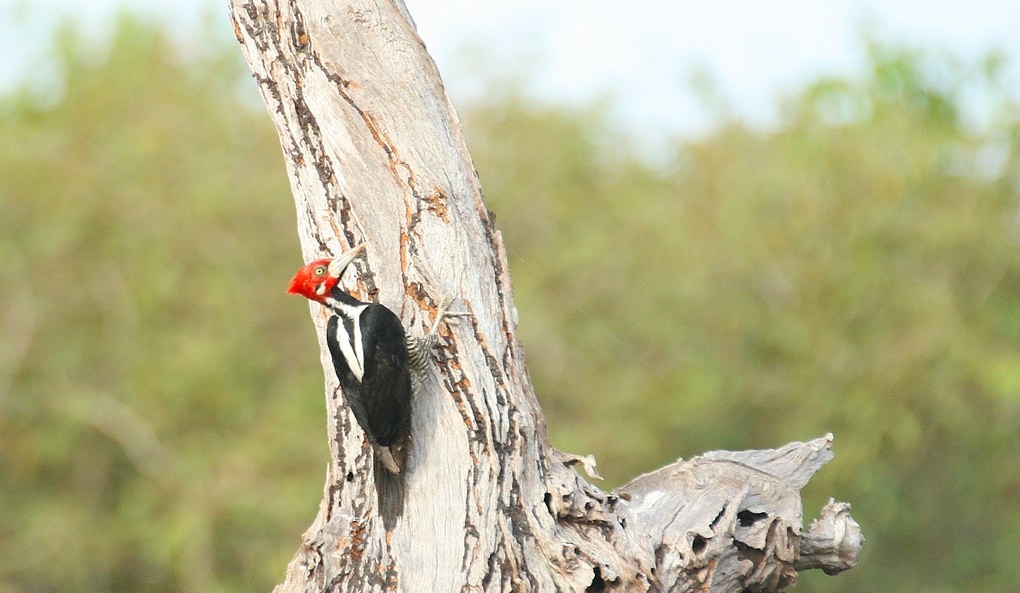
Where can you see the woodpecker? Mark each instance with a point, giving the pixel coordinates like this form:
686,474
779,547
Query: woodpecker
373,358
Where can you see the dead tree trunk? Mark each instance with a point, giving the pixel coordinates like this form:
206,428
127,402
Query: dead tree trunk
376,154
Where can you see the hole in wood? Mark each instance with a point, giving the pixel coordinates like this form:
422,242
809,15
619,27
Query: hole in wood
749,518
698,544
718,517
598,584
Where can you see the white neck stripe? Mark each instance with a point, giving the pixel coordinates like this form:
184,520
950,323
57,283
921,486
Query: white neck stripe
352,347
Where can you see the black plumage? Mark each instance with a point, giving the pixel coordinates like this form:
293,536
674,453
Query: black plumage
369,350
381,398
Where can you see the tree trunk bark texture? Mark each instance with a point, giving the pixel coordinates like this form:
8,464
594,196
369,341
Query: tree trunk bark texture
376,154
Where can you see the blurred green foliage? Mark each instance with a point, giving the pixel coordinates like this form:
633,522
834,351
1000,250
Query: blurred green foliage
854,270
157,389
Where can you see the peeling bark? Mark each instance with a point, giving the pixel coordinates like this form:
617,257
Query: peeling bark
375,153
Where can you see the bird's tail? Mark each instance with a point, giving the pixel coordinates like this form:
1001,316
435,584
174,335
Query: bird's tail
389,489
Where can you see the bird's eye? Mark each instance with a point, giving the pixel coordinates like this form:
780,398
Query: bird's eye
320,271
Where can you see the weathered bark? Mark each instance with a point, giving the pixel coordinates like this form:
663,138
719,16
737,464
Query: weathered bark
376,154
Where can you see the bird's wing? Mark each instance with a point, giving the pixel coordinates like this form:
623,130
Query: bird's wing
386,384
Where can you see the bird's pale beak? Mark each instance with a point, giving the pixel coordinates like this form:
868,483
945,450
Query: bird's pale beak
339,264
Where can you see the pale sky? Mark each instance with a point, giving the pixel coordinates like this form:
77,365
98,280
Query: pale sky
640,53
644,52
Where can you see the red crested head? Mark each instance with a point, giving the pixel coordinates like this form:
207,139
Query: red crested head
316,280
313,281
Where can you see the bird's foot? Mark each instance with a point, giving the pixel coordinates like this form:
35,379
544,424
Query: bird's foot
420,349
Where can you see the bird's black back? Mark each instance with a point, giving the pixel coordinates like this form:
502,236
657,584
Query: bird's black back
381,400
